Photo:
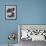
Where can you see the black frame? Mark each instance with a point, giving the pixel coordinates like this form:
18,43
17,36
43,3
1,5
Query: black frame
5,12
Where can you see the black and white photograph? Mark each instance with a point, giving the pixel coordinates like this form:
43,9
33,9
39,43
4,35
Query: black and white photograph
10,12
30,34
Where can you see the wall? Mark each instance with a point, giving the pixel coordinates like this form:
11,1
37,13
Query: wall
28,12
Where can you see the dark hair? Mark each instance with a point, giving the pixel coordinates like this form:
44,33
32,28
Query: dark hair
10,9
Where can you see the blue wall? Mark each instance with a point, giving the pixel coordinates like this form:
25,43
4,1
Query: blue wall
28,12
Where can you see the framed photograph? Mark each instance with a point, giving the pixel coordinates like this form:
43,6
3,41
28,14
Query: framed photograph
33,32
10,12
